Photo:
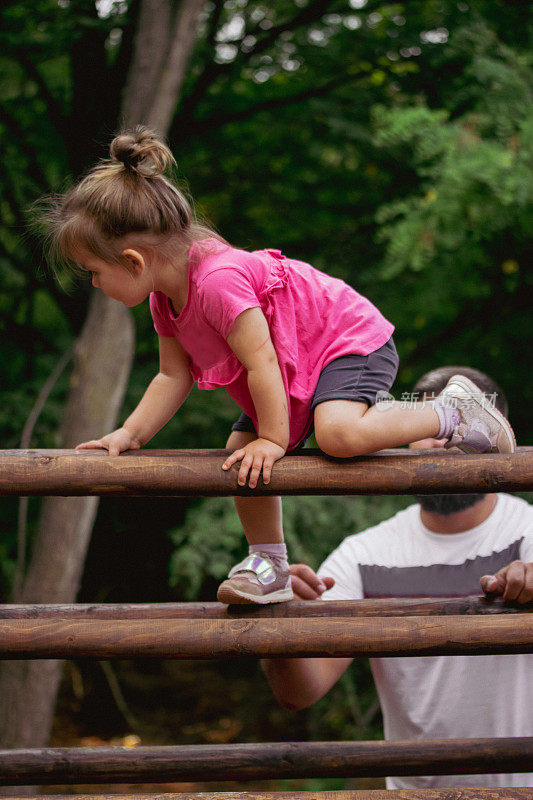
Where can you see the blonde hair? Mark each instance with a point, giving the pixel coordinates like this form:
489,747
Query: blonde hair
124,195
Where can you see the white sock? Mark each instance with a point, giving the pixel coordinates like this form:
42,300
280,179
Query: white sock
449,419
276,549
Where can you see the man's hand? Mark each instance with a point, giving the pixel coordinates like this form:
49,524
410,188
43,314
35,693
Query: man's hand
513,582
115,442
261,454
306,584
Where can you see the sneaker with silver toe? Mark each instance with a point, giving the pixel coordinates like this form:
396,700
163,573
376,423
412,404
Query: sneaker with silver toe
483,429
259,578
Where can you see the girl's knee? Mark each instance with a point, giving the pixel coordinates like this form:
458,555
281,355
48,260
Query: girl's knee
339,440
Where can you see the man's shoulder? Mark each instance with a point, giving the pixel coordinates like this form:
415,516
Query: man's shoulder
514,514
517,503
402,524
404,532
514,522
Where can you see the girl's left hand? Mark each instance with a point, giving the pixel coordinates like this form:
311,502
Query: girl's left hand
261,454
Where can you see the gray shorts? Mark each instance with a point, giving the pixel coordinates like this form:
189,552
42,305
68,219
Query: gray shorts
352,377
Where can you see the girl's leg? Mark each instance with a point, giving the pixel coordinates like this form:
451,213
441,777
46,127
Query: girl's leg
344,428
261,517
264,576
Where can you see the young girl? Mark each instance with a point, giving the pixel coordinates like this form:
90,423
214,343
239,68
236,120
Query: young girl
292,346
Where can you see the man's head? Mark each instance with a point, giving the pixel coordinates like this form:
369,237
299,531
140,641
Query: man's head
428,387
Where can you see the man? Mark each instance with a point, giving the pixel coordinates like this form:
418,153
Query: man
443,546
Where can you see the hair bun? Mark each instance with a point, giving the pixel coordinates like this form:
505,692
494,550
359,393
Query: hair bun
141,152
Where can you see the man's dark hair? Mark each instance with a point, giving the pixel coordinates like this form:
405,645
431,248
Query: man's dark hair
434,382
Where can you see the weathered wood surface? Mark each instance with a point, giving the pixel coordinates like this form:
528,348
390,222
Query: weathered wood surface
378,607
296,794
205,639
160,473
244,762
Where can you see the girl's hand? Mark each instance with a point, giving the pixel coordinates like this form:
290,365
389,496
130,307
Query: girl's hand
115,442
261,454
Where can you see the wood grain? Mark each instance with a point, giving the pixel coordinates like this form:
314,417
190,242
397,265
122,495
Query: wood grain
296,794
272,760
377,607
158,473
207,639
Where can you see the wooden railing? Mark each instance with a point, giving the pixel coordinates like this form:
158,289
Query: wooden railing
246,762
159,473
266,638
389,627
372,794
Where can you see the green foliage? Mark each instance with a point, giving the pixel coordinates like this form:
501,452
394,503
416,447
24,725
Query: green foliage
388,144
457,242
476,170
7,570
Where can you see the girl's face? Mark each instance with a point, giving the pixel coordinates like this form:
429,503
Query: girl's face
115,281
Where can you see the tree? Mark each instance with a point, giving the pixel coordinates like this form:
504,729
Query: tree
457,248
277,130
103,357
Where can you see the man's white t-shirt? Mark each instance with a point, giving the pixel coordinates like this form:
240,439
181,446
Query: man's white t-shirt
443,697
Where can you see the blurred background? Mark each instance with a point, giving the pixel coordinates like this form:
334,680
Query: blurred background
388,144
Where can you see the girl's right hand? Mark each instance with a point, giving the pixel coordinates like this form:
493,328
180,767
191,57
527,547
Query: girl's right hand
116,442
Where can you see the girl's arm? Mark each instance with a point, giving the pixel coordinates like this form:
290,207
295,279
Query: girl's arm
249,338
163,397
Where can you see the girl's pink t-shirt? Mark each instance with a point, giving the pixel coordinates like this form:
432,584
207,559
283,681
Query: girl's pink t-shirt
313,319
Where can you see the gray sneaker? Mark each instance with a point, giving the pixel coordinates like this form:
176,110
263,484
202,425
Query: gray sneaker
483,429
259,578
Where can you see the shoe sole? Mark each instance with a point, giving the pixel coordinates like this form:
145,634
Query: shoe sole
470,387
231,597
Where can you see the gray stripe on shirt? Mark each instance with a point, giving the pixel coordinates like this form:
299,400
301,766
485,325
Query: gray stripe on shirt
436,580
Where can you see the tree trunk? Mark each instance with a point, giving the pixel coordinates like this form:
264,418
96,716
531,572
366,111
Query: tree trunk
149,51
103,359
173,72
160,60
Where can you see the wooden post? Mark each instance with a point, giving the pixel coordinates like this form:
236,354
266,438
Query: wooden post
265,761
206,639
378,607
297,794
159,473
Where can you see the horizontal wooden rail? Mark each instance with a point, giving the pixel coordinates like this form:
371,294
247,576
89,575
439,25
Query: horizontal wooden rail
205,639
273,760
296,794
158,473
378,607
